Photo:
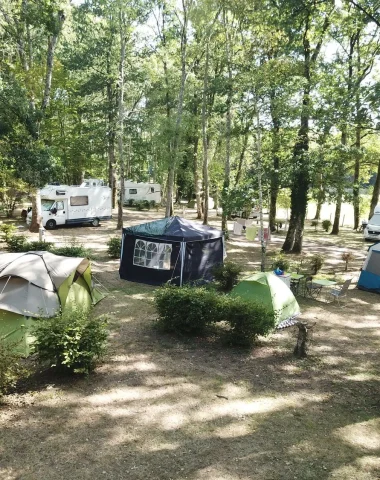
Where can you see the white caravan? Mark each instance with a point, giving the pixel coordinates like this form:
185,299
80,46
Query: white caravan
141,191
70,205
372,229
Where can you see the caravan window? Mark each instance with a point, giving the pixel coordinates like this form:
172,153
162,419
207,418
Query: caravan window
132,191
46,205
152,255
151,189
79,201
59,205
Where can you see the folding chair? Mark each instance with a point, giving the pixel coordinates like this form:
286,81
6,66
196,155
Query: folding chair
341,291
311,290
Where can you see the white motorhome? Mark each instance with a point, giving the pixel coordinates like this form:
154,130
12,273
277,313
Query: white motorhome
71,204
141,191
372,229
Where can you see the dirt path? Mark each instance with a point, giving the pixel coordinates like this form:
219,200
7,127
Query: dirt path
166,408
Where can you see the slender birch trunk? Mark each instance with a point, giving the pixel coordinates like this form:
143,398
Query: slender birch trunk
173,163
206,188
120,132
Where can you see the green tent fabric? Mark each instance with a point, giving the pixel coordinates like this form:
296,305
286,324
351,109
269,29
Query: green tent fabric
40,284
267,289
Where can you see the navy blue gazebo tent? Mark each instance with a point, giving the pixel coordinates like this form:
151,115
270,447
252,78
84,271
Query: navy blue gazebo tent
172,250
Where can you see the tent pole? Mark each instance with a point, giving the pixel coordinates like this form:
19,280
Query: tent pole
183,249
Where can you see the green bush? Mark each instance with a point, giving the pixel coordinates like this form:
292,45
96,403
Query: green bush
226,275
189,310
281,262
326,224
114,247
247,320
7,231
39,246
186,309
10,367
152,203
73,249
17,243
131,202
316,263
70,341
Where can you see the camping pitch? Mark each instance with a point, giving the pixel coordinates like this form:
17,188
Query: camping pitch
40,284
267,289
370,275
170,250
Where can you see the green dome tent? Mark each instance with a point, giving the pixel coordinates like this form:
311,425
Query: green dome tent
267,289
40,284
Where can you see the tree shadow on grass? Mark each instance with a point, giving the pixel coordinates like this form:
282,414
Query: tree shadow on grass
162,408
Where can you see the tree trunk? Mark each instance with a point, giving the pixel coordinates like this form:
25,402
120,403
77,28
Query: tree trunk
375,193
300,350
259,173
197,181
173,163
111,135
242,155
274,179
356,187
206,188
52,43
301,174
121,122
227,164
36,213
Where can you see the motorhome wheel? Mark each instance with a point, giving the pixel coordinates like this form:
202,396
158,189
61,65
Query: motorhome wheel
51,224
95,222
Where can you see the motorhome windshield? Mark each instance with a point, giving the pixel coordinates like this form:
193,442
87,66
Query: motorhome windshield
46,205
375,220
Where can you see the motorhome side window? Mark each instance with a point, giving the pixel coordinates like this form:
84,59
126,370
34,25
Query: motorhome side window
151,189
59,205
79,201
132,191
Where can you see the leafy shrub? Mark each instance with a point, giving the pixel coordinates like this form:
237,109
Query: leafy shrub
72,249
247,320
10,367
186,309
281,262
326,224
39,246
316,263
226,275
314,223
114,247
70,341
189,310
131,202
7,231
17,243
152,203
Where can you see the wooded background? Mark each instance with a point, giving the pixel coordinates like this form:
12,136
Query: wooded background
179,92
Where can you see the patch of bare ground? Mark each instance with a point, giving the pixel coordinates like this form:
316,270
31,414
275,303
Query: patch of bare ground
162,407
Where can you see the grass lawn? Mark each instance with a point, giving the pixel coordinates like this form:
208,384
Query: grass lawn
161,407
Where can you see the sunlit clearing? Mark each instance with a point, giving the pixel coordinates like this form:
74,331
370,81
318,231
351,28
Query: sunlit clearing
140,393
250,407
365,434
237,429
361,470
215,473
361,377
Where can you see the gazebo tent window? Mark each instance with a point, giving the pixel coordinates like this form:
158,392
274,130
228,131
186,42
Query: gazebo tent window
152,255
